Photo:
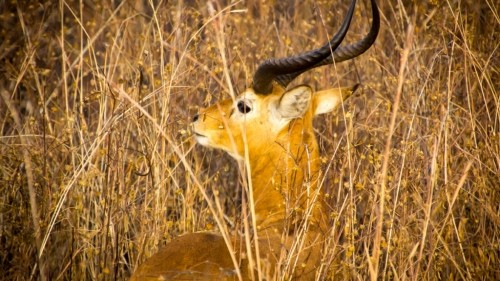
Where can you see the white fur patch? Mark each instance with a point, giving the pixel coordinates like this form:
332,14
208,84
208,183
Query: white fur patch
295,102
327,104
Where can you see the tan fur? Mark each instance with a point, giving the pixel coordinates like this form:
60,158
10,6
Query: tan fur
284,161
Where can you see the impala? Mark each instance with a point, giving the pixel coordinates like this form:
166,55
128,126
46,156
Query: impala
270,127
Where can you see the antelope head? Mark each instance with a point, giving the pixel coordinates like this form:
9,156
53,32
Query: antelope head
268,113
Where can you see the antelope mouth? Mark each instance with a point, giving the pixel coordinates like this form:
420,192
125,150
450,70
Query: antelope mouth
201,139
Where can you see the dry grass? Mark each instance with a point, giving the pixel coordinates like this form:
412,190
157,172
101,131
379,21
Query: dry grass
97,167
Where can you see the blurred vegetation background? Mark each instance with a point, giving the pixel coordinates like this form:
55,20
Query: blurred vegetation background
97,164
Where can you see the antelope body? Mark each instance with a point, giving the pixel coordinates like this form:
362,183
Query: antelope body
273,128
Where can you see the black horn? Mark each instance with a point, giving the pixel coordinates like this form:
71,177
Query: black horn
342,53
267,72
284,70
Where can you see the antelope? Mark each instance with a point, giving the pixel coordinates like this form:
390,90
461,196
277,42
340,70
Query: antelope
271,128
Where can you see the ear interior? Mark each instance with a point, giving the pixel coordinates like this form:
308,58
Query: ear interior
295,102
327,100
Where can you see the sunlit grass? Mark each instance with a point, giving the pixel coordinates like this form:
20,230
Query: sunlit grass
98,169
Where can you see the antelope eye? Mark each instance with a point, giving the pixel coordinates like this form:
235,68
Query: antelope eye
243,107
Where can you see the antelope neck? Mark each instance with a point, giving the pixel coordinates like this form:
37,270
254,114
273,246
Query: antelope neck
284,177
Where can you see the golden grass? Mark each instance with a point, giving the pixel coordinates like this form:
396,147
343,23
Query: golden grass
98,170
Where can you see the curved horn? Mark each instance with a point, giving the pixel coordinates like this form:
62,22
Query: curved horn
342,53
272,68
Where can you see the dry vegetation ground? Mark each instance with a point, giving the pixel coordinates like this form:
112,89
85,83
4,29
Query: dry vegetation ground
98,169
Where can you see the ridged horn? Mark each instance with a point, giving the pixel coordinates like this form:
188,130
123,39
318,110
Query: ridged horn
269,70
342,53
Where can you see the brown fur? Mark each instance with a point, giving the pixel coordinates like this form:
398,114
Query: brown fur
284,161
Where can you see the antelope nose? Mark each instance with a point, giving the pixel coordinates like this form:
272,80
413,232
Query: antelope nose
195,117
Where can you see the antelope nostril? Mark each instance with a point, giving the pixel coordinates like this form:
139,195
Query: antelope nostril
195,118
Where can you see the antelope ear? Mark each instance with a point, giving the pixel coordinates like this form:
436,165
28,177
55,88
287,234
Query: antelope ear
327,100
295,102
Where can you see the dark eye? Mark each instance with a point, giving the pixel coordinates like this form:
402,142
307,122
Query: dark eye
243,107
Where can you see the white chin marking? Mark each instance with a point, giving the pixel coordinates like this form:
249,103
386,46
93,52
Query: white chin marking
202,140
